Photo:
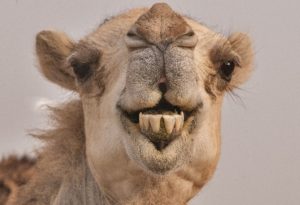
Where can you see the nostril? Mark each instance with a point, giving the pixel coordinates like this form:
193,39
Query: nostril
162,87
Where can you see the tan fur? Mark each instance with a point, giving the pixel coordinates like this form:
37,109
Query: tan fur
61,162
14,172
155,29
94,154
52,49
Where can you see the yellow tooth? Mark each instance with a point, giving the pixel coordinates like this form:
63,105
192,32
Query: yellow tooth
145,122
169,123
179,123
155,122
141,123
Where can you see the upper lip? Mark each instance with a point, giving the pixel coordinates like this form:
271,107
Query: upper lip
162,106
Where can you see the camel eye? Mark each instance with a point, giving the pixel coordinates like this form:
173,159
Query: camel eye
81,70
226,70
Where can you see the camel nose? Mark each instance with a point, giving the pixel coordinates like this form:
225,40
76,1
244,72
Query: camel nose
163,45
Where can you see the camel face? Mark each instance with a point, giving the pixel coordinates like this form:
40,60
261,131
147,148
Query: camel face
167,95
151,83
161,99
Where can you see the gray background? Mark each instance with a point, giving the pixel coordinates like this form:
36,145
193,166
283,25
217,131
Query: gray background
260,161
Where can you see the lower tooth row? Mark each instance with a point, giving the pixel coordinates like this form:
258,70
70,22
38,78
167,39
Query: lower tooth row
171,122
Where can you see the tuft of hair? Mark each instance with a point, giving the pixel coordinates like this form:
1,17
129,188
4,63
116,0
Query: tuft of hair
14,172
241,45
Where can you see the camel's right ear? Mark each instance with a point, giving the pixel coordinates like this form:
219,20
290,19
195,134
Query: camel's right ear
52,49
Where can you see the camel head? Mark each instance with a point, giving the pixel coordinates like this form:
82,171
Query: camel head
151,83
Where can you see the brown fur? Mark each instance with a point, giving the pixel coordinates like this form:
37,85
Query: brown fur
14,172
52,49
237,49
63,155
64,144
170,24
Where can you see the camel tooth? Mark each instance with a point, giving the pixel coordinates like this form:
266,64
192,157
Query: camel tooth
141,120
179,123
155,122
182,116
169,123
145,122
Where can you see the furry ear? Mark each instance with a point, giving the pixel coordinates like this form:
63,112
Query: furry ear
241,46
52,50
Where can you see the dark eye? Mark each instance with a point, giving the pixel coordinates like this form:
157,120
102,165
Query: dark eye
81,70
226,70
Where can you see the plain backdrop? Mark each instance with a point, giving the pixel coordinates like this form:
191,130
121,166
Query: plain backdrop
260,161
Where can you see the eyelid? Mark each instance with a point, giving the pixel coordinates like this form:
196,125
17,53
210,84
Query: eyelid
222,53
236,60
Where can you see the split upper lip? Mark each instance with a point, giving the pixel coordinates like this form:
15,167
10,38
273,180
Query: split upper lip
163,108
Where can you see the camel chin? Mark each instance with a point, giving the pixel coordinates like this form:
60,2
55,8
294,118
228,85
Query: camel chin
159,137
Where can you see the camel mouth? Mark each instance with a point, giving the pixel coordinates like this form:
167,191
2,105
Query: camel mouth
162,108
162,123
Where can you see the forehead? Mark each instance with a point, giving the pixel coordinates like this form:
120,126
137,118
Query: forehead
158,22
161,23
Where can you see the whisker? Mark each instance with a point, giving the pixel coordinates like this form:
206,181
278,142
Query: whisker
236,98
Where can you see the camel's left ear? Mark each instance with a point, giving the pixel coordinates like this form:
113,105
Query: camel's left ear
241,46
53,49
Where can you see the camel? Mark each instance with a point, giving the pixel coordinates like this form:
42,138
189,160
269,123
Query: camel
145,127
